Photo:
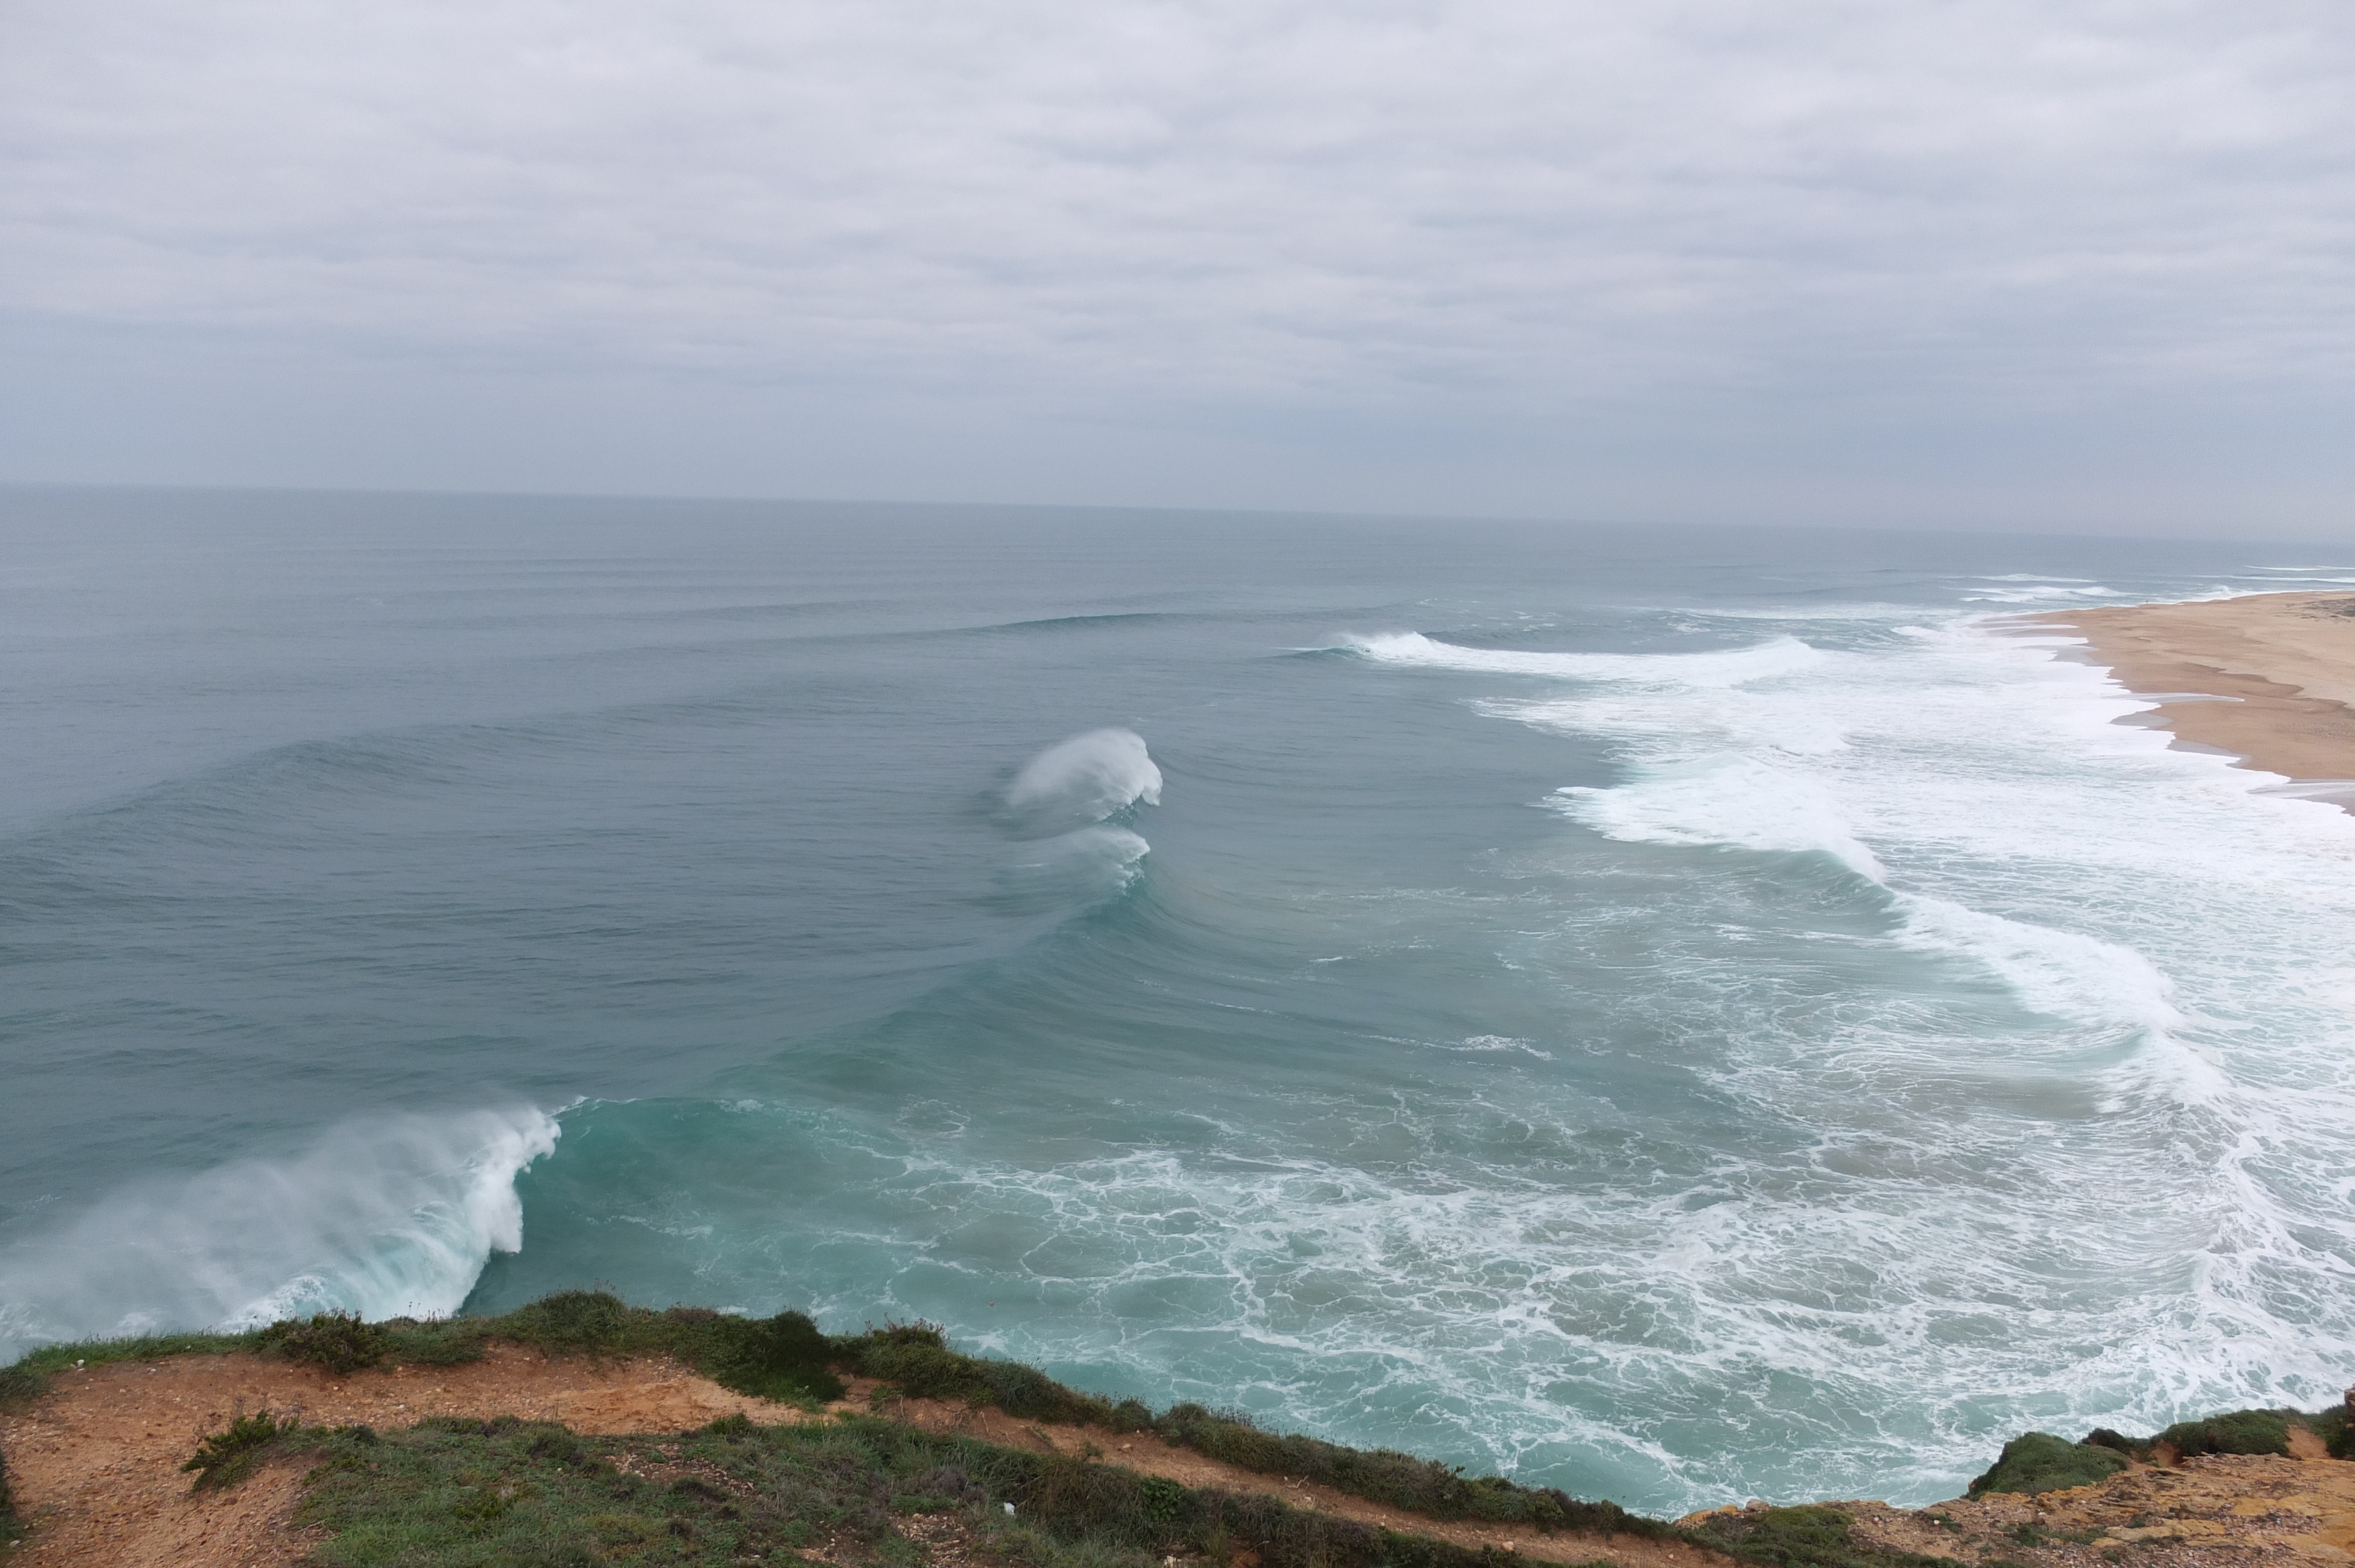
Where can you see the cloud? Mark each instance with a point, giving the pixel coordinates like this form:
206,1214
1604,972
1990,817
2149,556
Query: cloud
1405,213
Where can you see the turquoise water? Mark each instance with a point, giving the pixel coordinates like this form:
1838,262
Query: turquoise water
1677,1015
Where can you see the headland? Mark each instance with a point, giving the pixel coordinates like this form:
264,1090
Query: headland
2268,678
580,1432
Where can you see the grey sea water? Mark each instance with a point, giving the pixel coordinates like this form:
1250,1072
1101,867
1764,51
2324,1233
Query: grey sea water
1679,1015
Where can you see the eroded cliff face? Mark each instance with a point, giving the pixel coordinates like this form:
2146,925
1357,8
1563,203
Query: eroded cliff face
2215,1511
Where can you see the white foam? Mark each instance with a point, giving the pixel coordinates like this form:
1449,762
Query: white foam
1743,803
2177,938
1084,778
382,1218
2063,974
1088,861
1732,667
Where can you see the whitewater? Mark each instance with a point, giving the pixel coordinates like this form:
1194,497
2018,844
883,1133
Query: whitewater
1675,1015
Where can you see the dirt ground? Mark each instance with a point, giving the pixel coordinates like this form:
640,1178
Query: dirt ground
2221,1511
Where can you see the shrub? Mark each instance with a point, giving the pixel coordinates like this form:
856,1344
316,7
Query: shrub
782,1358
1809,1537
1402,1480
2038,1462
444,1341
338,1341
574,1322
228,1456
915,1359
2239,1432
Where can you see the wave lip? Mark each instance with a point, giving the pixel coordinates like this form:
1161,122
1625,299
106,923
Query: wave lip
1082,780
1728,667
385,1218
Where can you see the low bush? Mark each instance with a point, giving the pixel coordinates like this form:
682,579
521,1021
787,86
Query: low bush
337,1341
2037,1462
915,1359
1385,1476
2238,1432
230,1455
1810,1537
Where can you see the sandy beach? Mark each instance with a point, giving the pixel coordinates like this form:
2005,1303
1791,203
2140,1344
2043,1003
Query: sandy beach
2269,678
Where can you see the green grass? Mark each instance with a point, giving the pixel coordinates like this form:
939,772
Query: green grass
228,1456
10,1530
509,1494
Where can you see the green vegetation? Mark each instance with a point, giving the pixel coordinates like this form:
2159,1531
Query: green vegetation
2241,1432
505,1494
1811,1537
228,1456
915,1360
2038,1462
1385,1476
28,1379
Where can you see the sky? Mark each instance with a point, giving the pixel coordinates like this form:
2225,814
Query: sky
2059,263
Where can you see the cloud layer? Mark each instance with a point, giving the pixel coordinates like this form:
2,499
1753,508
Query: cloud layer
1335,223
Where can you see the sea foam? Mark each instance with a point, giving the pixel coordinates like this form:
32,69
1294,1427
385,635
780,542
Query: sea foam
1084,779
383,1218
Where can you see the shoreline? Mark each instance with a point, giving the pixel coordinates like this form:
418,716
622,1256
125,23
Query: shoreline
2267,679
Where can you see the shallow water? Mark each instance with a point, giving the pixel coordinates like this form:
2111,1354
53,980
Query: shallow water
1678,1015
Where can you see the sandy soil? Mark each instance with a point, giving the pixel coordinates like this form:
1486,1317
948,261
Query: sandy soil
2269,678
95,1465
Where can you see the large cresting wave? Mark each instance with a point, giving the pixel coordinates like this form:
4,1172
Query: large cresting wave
1060,804
383,1218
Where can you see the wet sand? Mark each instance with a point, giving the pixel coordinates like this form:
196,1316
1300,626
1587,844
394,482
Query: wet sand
2268,678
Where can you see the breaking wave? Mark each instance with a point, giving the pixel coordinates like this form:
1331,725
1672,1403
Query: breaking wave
382,1218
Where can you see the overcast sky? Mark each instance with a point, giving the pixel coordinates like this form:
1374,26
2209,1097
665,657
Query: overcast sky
2049,262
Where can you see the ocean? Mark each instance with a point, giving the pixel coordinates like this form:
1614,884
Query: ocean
1679,1015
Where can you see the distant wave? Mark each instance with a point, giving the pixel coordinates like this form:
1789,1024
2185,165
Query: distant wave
380,1217
1743,803
1730,667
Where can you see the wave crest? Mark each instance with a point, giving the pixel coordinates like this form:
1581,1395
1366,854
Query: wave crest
1084,779
383,1219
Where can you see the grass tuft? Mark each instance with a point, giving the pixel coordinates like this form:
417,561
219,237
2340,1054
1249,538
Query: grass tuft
228,1456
